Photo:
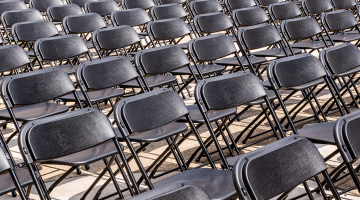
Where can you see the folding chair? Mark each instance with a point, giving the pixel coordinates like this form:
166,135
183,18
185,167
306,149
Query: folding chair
57,13
26,33
232,5
99,81
61,52
342,63
121,40
130,115
43,5
314,8
8,6
16,91
142,4
83,25
209,23
278,168
304,28
284,11
249,17
344,4
179,190
72,139
204,6
339,21
307,72
103,8
9,18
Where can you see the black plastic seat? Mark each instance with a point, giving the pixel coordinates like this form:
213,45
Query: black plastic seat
74,138
233,61
300,161
316,7
23,176
57,13
319,133
205,69
278,53
249,16
152,81
284,11
204,6
96,96
213,115
210,23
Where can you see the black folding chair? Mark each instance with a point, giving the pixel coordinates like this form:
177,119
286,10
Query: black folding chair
344,4
120,40
8,6
306,34
142,4
43,5
249,17
339,21
61,52
130,115
209,23
232,5
314,8
99,81
103,8
284,11
57,13
178,190
278,168
9,18
72,139
204,6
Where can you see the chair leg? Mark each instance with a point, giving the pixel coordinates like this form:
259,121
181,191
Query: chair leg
332,187
36,182
62,177
17,184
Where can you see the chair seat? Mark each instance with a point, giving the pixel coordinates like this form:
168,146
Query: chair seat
319,133
7,184
205,69
212,114
310,45
352,71
306,85
218,184
269,93
152,81
87,156
275,52
234,61
159,133
345,37
96,96
69,69
35,111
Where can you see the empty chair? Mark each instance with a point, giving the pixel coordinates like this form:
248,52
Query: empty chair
168,11
130,113
80,3
11,5
339,21
142,4
103,8
344,4
179,190
249,16
284,11
66,48
209,23
316,7
120,40
26,33
304,28
57,13
9,18
72,139
100,80
232,5
43,5
204,6
294,160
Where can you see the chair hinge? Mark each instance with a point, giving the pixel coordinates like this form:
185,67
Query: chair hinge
244,191
344,147
25,150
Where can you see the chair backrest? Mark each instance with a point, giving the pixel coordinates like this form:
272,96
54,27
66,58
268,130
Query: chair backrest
168,11
176,190
33,30
131,17
167,29
11,5
80,3
43,5
12,57
105,73
249,16
268,2
142,4
64,134
113,38
162,2
212,22
238,4
258,36
212,47
346,136
228,91
344,4
60,47
317,6
4,162
284,11
339,20
205,6
83,23
103,8
47,84
289,162
57,13
15,16
340,58
295,70
156,108
162,59
300,28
